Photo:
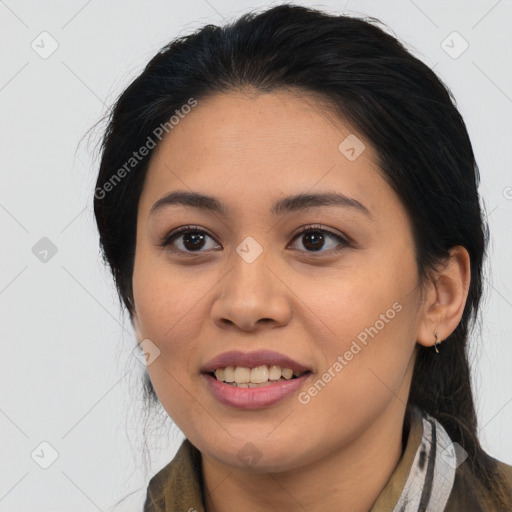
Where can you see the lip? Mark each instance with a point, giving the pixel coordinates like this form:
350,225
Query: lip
254,398
251,360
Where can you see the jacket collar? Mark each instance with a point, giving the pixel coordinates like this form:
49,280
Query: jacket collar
425,470
424,476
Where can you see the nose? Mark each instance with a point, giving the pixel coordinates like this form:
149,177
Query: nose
252,296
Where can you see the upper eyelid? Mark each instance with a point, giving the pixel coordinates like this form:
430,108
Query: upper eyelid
318,227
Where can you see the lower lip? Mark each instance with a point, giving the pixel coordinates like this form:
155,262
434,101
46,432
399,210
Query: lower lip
254,398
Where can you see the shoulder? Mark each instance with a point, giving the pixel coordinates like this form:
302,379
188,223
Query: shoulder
469,493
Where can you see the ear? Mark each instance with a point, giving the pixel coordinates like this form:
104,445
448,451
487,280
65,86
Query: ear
446,297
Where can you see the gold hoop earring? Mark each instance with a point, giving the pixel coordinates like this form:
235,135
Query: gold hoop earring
438,341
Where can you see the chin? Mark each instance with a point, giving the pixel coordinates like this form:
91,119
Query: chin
254,454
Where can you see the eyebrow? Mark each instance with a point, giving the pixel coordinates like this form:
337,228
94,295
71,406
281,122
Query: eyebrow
285,205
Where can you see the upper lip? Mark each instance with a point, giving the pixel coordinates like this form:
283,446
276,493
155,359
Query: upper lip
251,360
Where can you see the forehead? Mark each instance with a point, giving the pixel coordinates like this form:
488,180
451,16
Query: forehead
240,122
247,145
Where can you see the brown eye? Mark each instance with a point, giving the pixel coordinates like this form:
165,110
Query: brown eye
187,239
314,239
193,240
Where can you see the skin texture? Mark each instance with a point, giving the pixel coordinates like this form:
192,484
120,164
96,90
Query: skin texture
248,150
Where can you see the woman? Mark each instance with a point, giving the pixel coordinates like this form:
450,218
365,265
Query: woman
289,208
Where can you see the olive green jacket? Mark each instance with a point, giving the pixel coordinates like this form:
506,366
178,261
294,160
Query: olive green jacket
430,476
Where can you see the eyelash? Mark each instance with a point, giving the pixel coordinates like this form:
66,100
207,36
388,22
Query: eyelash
167,239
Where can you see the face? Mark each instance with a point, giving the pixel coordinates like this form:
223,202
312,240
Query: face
332,285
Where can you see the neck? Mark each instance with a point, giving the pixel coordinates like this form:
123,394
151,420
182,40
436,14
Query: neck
349,479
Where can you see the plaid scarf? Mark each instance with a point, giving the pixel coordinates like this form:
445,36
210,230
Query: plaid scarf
432,474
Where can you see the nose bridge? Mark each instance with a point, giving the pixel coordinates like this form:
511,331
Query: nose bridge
250,276
251,292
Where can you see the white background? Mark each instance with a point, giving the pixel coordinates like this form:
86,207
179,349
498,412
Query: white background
67,375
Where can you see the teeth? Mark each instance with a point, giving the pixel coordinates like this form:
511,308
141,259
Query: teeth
243,376
259,374
287,373
229,374
274,372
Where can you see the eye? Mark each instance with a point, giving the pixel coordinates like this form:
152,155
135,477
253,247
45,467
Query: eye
190,239
314,238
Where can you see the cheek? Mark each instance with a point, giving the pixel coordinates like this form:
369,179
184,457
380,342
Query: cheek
365,319
167,306
164,304
164,297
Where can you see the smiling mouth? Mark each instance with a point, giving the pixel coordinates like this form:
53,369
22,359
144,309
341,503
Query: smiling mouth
260,376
